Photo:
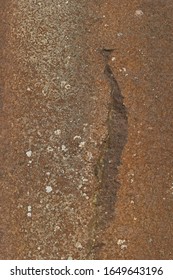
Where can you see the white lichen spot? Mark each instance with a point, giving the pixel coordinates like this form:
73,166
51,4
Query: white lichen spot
119,34
63,83
64,148
29,162
131,173
82,144
134,155
123,70
171,189
76,137
57,228
139,13
49,149
29,213
84,179
85,195
19,206
57,132
121,243
89,156
113,58
78,245
67,86
29,153
80,186
70,258
48,173
48,189
39,133
124,246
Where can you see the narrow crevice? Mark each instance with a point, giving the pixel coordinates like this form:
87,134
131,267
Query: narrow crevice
111,150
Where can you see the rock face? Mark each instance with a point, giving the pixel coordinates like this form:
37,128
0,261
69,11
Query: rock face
86,129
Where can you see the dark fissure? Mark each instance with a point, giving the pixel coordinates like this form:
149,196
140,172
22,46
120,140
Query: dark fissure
112,148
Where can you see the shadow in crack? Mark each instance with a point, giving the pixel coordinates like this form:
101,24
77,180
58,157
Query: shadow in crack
107,167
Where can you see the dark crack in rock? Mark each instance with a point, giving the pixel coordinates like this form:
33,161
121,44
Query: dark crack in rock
111,151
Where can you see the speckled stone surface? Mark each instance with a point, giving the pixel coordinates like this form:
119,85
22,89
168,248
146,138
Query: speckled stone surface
60,198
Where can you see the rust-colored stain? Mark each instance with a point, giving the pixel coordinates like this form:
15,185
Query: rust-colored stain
86,129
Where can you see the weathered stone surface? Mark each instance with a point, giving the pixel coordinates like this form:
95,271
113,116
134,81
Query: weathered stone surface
86,129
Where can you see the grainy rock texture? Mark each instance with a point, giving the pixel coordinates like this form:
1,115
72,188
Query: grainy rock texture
86,129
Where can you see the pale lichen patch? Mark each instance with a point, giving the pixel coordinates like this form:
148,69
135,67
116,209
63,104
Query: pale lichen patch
139,13
29,153
49,189
121,244
29,211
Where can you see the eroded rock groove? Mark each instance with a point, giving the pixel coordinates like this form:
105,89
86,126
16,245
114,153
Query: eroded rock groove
110,160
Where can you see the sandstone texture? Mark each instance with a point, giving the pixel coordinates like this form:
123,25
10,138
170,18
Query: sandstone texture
86,117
